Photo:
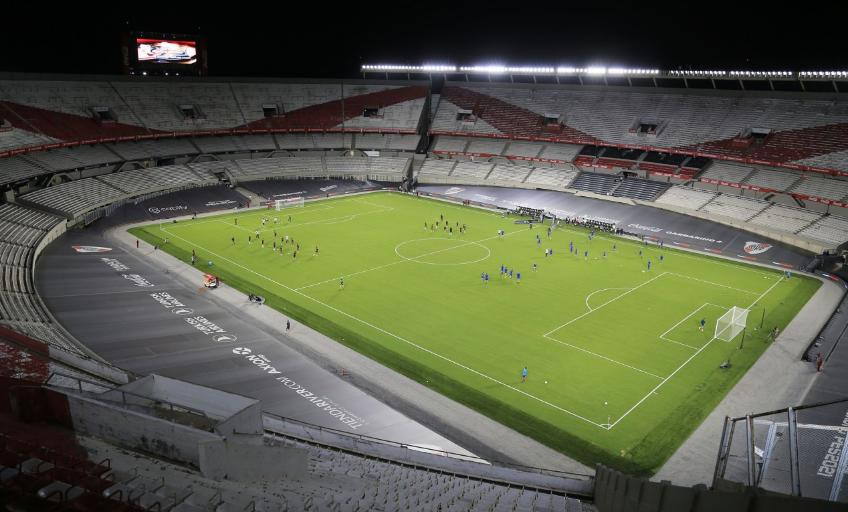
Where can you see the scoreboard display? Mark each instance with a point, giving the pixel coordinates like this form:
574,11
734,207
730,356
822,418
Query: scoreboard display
164,54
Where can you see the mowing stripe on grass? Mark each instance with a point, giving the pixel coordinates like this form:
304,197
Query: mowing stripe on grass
380,329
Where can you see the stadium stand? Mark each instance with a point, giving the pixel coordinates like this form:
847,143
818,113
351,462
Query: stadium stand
772,179
784,218
829,228
21,230
644,190
601,184
727,172
551,177
684,197
509,173
472,170
734,207
821,187
436,168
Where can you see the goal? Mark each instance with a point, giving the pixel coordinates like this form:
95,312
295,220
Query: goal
291,202
730,324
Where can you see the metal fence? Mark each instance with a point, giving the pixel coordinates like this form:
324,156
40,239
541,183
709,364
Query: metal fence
797,450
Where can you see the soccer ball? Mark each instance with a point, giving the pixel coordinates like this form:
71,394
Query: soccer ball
546,382
605,403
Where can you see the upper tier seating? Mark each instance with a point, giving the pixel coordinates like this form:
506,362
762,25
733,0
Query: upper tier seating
724,171
802,127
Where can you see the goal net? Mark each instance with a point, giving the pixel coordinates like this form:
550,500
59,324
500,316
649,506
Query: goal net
730,324
291,202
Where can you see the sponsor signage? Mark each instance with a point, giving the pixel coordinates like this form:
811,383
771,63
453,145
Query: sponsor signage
322,402
454,190
743,186
90,248
218,334
136,279
156,210
222,202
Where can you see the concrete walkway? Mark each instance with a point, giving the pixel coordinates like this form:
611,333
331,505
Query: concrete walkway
467,428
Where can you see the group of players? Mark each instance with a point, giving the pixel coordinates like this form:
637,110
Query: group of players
445,225
509,273
283,239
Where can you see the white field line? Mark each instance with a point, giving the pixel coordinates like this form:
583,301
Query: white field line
687,361
599,291
605,357
280,227
399,338
631,290
467,243
712,283
673,327
250,214
653,248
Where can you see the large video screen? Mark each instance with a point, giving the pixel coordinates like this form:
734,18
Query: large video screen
165,51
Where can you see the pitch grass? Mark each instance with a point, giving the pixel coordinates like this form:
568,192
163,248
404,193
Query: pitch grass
414,300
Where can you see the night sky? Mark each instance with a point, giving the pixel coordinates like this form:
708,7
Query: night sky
328,43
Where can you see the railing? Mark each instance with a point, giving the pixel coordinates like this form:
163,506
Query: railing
144,400
797,450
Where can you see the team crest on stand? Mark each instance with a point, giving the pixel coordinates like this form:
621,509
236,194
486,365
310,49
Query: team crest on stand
90,248
756,247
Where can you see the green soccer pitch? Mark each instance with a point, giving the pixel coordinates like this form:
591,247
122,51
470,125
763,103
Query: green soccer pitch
618,370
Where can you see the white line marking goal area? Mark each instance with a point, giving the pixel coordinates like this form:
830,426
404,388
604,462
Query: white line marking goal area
596,336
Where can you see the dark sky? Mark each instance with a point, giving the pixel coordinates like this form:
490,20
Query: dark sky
333,42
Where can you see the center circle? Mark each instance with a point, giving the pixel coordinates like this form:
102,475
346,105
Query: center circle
442,251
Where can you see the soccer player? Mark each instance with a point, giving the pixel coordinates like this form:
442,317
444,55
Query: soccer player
613,247
586,254
701,325
605,254
289,219
640,253
234,240
236,220
486,278
510,273
534,267
518,277
249,242
649,265
483,277
263,243
571,247
341,283
524,374
662,257
316,250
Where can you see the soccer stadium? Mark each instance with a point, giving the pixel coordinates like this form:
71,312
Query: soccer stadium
486,287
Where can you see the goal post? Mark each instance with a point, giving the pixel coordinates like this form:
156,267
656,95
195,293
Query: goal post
291,202
730,324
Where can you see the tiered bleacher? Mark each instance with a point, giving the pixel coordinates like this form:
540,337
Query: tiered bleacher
551,177
435,168
734,207
772,179
594,182
723,171
472,170
644,190
21,230
828,188
785,218
515,173
829,229
685,197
